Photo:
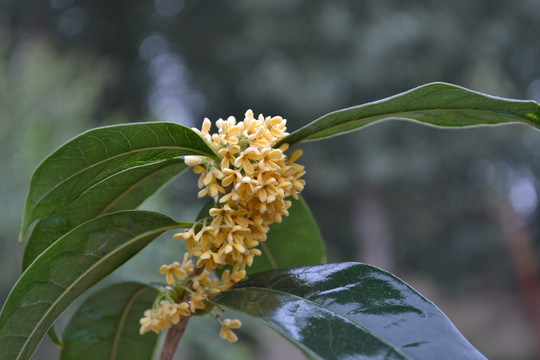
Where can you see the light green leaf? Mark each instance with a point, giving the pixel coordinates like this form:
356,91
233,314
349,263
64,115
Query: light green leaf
123,191
68,268
437,104
349,311
296,241
106,326
99,153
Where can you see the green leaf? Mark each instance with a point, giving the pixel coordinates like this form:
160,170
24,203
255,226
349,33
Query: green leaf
106,326
99,153
437,104
53,335
205,210
123,191
68,268
349,311
296,241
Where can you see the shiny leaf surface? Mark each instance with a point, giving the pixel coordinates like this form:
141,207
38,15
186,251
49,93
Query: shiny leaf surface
99,153
349,311
123,191
296,241
106,326
69,267
437,104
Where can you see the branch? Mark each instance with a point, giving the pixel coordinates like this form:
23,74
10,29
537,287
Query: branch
173,338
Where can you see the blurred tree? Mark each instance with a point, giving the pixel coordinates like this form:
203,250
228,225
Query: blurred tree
45,98
180,60
307,56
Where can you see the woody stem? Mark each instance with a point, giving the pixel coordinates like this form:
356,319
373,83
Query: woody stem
174,335
173,338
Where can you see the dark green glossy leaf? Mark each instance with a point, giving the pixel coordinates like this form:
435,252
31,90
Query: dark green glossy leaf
437,104
69,267
123,191
296,241
349,311
106,326
99,153
205,211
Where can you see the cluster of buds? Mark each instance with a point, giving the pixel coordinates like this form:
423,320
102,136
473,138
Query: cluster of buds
249,187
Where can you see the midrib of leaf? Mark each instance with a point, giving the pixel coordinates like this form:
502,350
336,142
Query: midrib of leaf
48,192
133,152
395,115
89,270
120,329
127,190
367,330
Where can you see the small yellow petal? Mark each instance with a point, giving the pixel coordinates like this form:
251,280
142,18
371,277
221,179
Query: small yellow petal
295,155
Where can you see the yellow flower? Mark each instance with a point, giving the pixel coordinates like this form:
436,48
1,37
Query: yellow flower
229,156
276,125
222,215
210,180
229,130
175,269
236,237
197,299
188,236
185,235
266,190
226,332
230,176
182,308
202,279
249,256
270,159
209,260
249,184
295,155
245,159
171,270
149,323
246,187
207,124
173,311
157,320
187,264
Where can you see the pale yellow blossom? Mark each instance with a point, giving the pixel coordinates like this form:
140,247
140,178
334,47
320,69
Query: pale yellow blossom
171,270
226,332
250,185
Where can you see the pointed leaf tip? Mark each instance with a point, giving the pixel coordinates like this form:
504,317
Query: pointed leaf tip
439,104
349,311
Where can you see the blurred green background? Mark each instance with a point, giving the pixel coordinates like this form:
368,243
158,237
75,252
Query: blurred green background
452,212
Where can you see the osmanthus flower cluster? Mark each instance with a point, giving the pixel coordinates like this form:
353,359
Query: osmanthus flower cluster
249,187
